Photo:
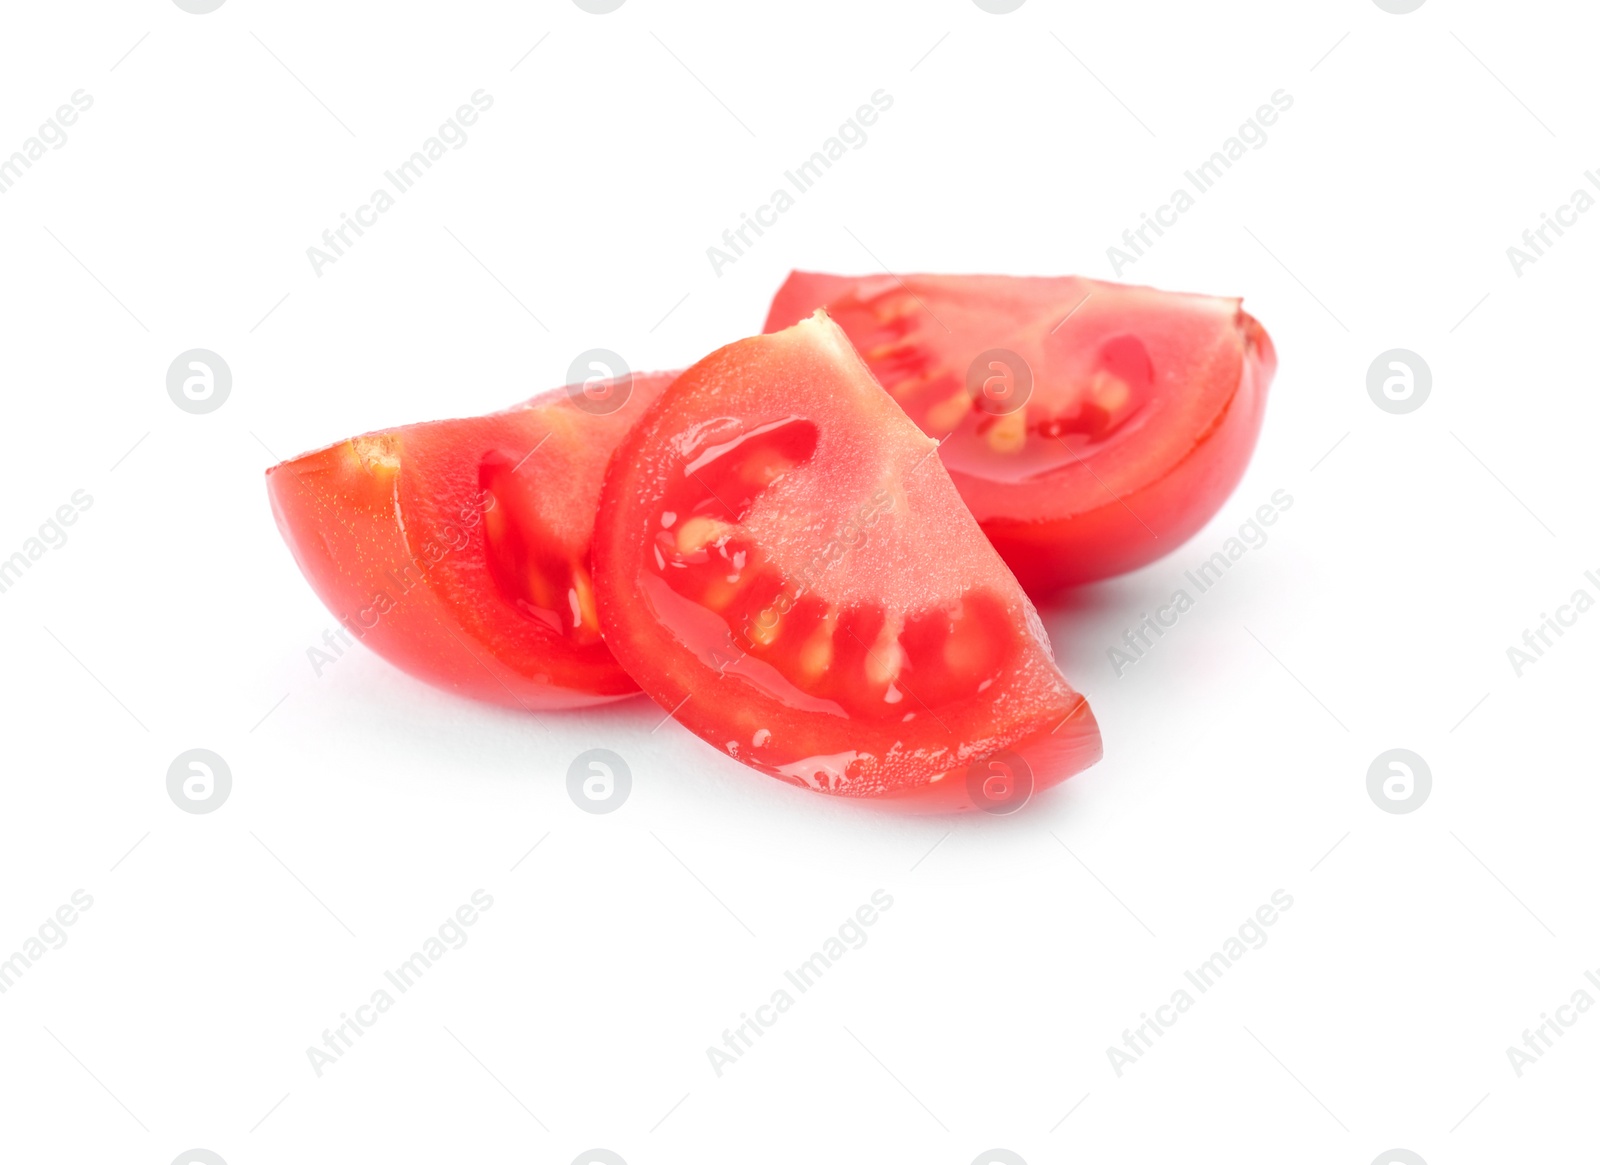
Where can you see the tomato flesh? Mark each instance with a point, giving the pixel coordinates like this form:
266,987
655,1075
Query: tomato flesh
782,562
1091,427
459,550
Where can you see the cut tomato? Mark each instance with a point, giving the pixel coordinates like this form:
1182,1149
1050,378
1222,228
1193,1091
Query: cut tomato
1091,427
782,562
459,550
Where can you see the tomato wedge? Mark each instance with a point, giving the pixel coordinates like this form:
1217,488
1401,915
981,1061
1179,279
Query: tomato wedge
782,562
1091,427
459,550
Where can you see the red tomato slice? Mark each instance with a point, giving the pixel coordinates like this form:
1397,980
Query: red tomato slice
459,550
1091,427
782,562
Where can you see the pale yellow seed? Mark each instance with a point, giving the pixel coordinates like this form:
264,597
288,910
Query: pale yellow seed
1009,432
722,592
903,388
765,628
699,532
948,413
885,658
1110,391
379,454
583,589
817,655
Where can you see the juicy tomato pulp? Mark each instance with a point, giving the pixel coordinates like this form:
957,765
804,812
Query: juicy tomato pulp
782,562
1091,427
459,550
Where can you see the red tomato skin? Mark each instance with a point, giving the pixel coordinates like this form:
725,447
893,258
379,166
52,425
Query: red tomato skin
1119,536
1052,755
1053,538
395,547
1056,736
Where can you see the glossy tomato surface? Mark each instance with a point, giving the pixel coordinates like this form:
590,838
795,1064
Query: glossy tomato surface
1091,427
781,561
459,550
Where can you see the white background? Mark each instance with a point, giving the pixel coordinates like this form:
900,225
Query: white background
366,807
